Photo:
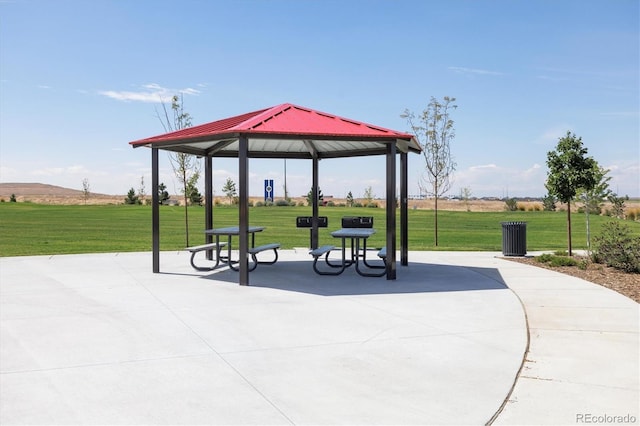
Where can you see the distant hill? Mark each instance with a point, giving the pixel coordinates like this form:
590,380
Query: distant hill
52,194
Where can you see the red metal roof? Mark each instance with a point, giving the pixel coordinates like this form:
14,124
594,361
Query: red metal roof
284,119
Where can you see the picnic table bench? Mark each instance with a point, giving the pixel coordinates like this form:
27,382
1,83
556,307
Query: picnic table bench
205,247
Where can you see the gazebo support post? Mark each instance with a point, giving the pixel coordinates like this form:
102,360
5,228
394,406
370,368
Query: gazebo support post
314,204
404,209
208,201
155,212
391,211
243,211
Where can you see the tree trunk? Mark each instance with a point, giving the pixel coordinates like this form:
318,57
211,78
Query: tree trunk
186,214
569,226
435,216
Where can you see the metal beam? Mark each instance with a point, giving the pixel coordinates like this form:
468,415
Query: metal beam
155,211
208,201
404,209
314,204
243,211
391,211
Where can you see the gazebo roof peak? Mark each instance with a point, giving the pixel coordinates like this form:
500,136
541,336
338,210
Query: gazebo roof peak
284,119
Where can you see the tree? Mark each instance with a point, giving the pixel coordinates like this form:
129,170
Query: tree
594,197
569,171
132,198
310,197
549,203
434,132
230,190
368,195
465,195
185,166
141,191
85,189
617,205
192,190
163,194
350,199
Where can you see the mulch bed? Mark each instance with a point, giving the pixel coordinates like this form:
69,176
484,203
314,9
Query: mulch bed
627,284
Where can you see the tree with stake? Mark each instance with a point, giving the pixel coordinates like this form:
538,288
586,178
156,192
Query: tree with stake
185,166
434,132
230,190
594,197
86,189
569,171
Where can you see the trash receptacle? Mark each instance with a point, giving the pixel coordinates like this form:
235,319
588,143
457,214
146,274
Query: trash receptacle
514,238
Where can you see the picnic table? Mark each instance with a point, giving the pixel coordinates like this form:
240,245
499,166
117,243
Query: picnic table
358,253
229,232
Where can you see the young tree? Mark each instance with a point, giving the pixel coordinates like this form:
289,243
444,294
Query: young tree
349,199
192,190
141,191
465,195
617,205
549,203
594,197
569,171
184,165
369,195
86,189
163,194
434,131
132,198
310,197
230,190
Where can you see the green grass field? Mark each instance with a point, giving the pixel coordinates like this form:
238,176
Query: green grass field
39,229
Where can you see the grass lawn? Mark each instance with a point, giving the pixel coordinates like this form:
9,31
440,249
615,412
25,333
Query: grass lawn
39,229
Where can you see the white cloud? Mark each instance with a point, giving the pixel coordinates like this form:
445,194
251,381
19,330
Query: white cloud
474,71
150,93
498,181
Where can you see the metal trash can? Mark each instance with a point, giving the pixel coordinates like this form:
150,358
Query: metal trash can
514,238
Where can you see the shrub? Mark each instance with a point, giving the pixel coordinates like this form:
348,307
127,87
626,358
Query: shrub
563,261
259,204
616,247
545,258
357,204
281,203
556,260
12,198
510,204
549,203
372,205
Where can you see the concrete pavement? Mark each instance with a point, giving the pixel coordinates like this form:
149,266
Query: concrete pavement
98,338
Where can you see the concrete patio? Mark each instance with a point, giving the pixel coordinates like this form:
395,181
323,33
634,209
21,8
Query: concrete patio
458,338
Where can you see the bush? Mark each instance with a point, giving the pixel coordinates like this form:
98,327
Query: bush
563,261
282,203
616,247
544,258
12,198
510,204
556,260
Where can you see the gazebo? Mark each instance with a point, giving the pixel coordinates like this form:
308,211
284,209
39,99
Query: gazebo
287,131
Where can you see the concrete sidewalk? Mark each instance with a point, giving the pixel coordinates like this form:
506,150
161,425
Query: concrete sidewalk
100,339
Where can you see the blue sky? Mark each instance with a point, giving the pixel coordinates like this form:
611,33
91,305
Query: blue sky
81,79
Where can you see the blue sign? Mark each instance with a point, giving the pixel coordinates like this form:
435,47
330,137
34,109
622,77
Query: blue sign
268,190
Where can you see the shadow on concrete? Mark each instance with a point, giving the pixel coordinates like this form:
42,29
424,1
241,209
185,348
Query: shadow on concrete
299,276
